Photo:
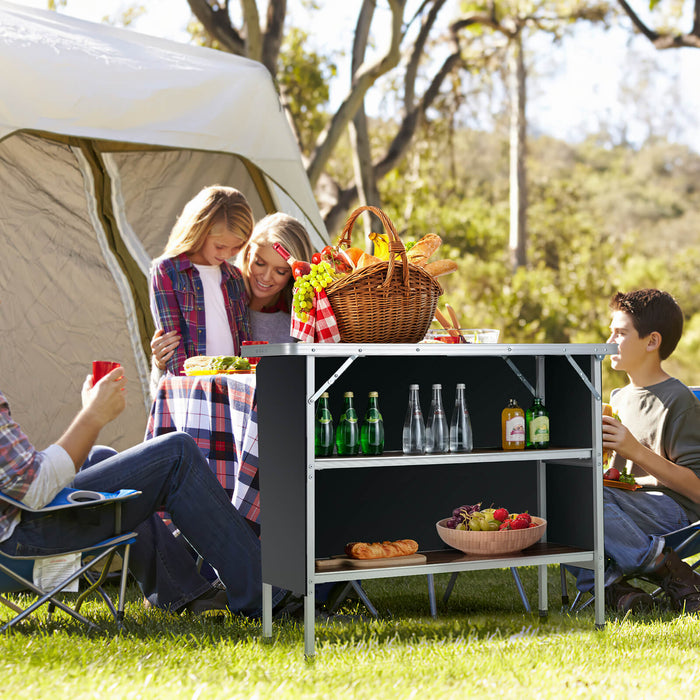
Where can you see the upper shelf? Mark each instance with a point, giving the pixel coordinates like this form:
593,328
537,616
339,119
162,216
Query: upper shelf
429,349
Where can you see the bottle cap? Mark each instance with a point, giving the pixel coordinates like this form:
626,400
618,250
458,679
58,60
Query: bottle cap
349,395
374,394
324,395
414,386
460,386
437,386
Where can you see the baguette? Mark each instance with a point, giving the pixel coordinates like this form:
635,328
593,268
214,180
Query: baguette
421,251
381,550
440,267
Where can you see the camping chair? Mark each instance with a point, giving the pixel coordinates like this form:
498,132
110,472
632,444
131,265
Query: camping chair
684,542
17,572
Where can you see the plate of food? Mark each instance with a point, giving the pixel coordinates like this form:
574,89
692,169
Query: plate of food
201,365
626,485
619,480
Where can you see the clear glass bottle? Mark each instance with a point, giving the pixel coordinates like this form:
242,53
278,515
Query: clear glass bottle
437,432
347,436
461,439
513,426
324,435
372,430
537,425
414,426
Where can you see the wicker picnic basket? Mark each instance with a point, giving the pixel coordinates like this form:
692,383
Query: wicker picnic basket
388,302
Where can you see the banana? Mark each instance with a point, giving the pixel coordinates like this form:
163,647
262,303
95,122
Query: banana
381,245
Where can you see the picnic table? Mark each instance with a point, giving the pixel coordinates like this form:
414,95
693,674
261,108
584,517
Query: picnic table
220,413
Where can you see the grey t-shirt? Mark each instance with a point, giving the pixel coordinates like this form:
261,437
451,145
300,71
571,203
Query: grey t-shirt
273,327
664,417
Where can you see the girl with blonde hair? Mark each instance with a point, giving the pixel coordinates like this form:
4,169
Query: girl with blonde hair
197,296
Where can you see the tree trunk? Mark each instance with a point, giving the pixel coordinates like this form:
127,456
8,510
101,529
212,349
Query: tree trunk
365,179
518,147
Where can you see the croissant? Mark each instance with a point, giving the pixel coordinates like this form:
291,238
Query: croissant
380,550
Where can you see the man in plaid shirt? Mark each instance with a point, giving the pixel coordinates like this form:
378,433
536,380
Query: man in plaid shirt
172,475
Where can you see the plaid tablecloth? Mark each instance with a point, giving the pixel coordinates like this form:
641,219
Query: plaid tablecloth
220,413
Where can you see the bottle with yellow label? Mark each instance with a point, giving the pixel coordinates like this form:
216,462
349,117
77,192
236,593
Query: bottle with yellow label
537,425
513,426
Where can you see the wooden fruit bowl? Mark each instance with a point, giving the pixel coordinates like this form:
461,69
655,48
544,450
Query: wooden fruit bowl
491,543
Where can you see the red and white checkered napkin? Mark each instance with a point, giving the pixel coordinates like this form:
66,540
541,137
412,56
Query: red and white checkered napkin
321,326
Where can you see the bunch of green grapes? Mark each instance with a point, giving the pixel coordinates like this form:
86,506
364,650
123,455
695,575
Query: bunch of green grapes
306,286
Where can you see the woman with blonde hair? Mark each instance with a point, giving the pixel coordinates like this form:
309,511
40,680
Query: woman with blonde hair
197,296
268,277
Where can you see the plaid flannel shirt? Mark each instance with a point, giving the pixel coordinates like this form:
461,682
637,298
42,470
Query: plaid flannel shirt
177,304
19,465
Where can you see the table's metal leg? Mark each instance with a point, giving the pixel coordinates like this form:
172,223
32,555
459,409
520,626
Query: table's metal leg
431,595
309,624
542,589
267,611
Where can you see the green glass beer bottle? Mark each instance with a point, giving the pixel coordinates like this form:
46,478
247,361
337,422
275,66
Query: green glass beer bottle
537,426
372,430
324,437
347,435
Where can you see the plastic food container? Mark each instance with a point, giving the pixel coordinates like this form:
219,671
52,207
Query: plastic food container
468,335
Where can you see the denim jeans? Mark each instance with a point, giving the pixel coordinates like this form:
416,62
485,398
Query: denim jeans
635,525
174,476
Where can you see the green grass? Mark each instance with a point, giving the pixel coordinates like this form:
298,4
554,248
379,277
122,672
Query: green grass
482,644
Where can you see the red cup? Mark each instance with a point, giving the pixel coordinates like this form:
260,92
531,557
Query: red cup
254,360
100,368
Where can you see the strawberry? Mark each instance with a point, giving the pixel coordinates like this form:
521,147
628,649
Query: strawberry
504,526
500,514
519,524
524,516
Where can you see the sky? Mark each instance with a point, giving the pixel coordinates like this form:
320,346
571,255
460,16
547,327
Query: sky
580,86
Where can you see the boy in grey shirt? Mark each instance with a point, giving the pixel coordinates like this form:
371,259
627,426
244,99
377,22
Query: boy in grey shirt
658,440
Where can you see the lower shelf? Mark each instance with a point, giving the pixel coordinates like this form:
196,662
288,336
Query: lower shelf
448,560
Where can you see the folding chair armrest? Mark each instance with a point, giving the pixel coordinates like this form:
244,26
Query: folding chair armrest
75,498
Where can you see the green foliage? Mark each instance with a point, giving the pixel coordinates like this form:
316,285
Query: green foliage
600,218
305,76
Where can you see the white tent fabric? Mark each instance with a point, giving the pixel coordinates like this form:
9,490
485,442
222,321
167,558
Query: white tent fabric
105,134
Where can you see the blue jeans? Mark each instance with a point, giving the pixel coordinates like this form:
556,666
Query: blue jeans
173,476
635,525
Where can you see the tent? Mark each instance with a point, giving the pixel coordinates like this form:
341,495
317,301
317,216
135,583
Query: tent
105,134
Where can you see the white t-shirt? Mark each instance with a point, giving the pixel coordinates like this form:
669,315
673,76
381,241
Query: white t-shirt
219,338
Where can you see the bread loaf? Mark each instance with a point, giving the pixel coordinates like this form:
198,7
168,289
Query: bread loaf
381,550
423,249
440,267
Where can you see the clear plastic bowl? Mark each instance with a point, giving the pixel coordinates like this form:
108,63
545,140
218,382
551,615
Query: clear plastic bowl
470,335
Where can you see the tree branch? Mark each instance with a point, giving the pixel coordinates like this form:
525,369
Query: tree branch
666,40
217,23
364,78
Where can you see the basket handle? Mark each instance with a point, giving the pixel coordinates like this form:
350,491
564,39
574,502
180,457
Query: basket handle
395,243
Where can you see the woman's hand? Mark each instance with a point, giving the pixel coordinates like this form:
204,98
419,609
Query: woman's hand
163,345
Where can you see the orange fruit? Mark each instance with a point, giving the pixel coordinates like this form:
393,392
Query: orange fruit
354,254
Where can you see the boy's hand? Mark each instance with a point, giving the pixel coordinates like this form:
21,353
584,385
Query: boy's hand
107,399
163,345
616,437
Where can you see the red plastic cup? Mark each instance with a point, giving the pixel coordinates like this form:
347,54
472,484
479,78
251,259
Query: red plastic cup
100,368
254,360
